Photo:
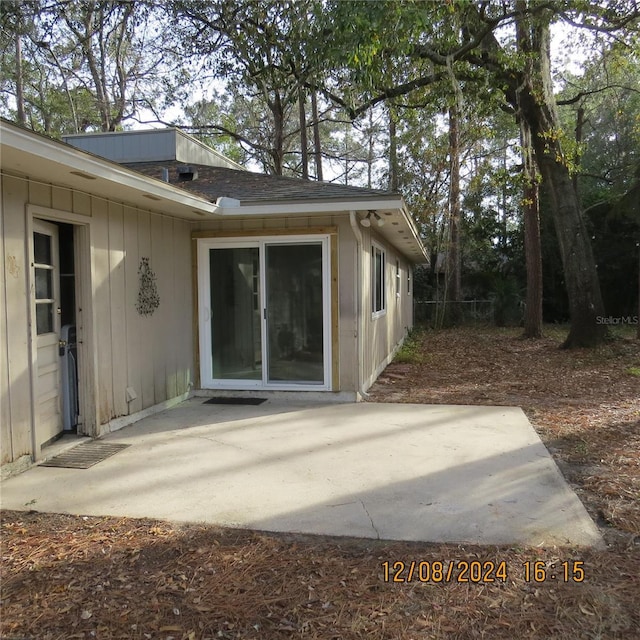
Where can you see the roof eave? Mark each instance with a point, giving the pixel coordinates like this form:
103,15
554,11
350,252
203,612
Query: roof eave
306,207
93,174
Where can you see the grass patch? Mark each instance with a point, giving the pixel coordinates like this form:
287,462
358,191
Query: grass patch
412,349
634,371
557,332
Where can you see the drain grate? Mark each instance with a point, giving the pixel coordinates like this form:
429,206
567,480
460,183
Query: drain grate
227,400
84,455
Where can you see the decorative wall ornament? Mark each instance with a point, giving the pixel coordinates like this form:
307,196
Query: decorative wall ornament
148,298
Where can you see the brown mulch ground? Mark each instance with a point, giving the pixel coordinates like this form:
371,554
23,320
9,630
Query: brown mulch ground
88,577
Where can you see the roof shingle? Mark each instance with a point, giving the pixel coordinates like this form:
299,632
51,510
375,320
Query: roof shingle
257,188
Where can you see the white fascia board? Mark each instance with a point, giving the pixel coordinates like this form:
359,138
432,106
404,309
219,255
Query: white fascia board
82,162
338,206
414,230
312,207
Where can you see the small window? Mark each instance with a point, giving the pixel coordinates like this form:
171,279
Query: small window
378,260
43,276
408,280
397,278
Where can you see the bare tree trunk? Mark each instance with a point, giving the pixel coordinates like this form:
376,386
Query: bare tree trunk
303,134
532,245
579,130
393,152
346,154
503,223
278,134
317,148
370,142
453,255
19,82
531,211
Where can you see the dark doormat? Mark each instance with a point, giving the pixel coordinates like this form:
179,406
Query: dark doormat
84,455
228,400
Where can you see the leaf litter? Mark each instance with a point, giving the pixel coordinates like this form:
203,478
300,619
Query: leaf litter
69,577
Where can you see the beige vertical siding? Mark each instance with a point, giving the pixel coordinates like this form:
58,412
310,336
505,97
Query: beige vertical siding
101,307
384,333
182,304
117,317
15,375
348,321
131,225
144,325
6,453
146,353
151,354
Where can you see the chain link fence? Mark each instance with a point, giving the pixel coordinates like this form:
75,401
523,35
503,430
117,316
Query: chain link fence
438,313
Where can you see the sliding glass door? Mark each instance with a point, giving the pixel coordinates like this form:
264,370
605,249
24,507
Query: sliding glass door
234,289
294,313
264,313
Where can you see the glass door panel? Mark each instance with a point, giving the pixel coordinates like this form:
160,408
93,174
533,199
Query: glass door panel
294,303
45,291
236,332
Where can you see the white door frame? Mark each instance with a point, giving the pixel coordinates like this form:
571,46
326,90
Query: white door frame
204,311
87,346
48,342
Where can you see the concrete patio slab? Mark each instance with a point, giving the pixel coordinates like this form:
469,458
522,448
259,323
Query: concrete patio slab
432,473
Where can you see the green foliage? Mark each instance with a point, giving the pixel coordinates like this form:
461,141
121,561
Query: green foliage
607,96
615,230
412,349
84,66
267,52
507,298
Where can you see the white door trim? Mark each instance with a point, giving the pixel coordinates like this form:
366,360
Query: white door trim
87,346
47,343
204,319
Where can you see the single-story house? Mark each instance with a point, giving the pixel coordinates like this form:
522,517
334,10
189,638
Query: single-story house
141,267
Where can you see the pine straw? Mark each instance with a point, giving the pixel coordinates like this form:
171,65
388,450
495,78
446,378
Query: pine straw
106,578
70,577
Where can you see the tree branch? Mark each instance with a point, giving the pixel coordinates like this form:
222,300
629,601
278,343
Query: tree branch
228,132
583,94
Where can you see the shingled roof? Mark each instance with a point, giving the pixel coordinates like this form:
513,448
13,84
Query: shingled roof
257,188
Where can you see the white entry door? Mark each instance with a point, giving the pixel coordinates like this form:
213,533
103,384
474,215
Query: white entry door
264,313
46,298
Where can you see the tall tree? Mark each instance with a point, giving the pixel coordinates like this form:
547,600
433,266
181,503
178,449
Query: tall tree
86,65
317,144
534,98
466,35
530,199
262,46
454,287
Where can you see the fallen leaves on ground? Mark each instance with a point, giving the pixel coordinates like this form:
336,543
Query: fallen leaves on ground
67,577
92,577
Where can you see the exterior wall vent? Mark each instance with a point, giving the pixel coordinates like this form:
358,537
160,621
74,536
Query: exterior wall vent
187,173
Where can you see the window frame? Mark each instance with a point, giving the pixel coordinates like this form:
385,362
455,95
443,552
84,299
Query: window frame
378,307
